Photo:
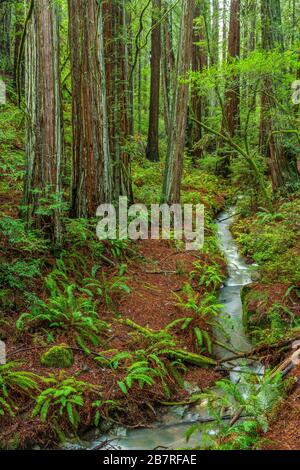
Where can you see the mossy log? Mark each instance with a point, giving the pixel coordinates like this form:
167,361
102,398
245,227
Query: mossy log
177,354
190,358
147,332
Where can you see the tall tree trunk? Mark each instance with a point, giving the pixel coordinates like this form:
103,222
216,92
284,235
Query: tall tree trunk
152,151
199,63
215,32
174,163
118,94
6,36
270,143
44,149
19,24
92,182
224,31
168,66
231,121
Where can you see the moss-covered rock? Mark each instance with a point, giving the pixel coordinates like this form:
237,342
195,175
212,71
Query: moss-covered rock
58,357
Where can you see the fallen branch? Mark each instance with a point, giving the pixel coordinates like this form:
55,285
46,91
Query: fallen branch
177,354
254,353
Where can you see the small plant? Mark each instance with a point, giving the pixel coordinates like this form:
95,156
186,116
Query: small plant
14,381
63,400
16,275
207,275
252,396
100,405
205,307
144,366
20,238
105,287
140,372
68,312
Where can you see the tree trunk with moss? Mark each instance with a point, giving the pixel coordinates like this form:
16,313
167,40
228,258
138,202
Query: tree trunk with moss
118,92
92,181
6,36
44,149
152,151
176,144
199,64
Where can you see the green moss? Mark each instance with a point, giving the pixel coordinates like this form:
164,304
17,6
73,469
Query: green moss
272,241
254,305
58,356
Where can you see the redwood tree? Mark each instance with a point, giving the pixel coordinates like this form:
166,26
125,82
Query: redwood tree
231,119
92,182
44,148
176,144
199,63
168,64
118,92
6,36
152,151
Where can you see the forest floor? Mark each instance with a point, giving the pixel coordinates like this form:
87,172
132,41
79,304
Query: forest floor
146,292
153,280
284,432
143,283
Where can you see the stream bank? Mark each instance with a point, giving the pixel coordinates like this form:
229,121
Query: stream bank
170,429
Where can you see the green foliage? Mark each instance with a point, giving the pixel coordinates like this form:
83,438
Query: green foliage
139,372
271,241
206,306
19,238
100,405
14,381
15,275
208,275
105,287
62,400
70,313
145,367
254,397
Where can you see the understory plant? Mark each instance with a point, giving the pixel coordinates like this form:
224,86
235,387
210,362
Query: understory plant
145,366
67,312
62,400
250,401
14,381
203,307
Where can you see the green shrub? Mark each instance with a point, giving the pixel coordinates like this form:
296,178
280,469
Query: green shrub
69,313
14,381
62,401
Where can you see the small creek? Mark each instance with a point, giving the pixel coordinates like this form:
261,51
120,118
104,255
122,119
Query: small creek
169,430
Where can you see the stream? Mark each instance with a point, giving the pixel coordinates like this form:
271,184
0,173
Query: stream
169,431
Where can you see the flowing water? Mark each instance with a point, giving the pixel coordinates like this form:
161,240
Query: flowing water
169,430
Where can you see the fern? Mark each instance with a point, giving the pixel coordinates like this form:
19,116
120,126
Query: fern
65,312
63,400
14,381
